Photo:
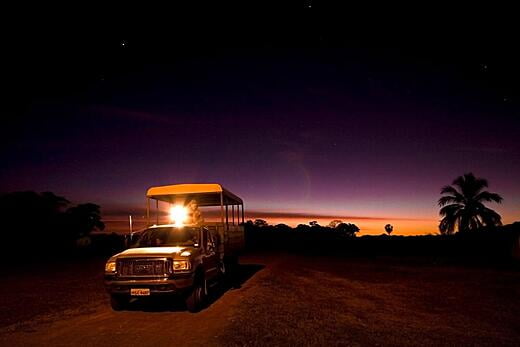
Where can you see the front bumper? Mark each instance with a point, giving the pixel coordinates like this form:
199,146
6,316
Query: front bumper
157,286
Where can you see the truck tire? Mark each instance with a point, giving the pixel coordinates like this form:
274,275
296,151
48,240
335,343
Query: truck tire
118,302
222,270
197,297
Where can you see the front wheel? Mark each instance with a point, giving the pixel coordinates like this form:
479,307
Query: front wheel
118,302
197,297
222,270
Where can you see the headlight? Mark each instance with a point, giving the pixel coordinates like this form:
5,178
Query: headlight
110,267
185,254
181,265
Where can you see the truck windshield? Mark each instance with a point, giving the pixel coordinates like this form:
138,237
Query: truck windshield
169,236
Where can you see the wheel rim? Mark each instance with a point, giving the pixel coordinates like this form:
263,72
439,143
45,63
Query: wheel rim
198,294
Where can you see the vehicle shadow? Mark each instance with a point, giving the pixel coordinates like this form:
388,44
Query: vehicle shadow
175,304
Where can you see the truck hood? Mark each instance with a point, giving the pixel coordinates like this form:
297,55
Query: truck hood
152,251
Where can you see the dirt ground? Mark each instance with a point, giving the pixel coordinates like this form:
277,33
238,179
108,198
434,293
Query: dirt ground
283,300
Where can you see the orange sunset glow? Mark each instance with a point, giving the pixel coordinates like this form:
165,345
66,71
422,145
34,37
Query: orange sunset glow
367,225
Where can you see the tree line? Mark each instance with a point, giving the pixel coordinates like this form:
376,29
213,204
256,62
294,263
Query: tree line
336,226
42,222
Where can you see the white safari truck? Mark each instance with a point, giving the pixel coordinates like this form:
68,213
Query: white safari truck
184,256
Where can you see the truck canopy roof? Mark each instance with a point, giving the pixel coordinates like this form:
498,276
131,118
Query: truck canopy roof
206,194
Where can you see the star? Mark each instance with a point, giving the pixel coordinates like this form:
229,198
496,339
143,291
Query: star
123,43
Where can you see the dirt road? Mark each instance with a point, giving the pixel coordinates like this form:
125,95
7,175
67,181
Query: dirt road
145,323
294,300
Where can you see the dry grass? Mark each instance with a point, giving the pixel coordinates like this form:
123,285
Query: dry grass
294,300
44,291
322,301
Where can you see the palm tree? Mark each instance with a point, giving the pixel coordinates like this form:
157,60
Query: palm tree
462,205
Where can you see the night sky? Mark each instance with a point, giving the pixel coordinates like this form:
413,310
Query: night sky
307,123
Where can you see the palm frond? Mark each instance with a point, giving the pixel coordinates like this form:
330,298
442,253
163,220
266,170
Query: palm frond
490,217
462,206
481,182
449,200
443,226
460,181
449,190
470,185
447,225
457,196
449,210
488,196
474,223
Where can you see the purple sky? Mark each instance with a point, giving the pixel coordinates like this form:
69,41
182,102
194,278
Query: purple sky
322,131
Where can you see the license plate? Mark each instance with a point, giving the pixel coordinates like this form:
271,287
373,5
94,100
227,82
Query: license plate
139,291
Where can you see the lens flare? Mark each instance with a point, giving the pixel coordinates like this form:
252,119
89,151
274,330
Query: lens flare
178,215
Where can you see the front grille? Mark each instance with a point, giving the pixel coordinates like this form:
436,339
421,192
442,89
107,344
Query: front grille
143,267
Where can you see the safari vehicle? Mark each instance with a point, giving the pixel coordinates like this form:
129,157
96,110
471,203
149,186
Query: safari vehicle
186,256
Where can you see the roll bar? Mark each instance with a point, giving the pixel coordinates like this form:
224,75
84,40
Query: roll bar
205,194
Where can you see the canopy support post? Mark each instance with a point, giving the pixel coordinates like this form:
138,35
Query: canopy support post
147,212
156,212
222,208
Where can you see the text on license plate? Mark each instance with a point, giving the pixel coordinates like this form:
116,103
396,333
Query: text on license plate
140,291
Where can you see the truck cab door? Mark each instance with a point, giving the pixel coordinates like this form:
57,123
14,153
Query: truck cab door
209,257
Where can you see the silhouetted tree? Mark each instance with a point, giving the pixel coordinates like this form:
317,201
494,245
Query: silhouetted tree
303,228
314,223
260,223
31,216
84,218
334,223
282,227
389,228
347,229
43,224
54,202
31,205
462,206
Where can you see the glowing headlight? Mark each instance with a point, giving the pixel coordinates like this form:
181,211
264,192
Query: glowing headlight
178,215
181,265
110,267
